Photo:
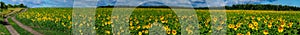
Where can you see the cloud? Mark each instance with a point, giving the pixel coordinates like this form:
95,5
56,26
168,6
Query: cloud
41,3
195,3
85,3
69,3
14,0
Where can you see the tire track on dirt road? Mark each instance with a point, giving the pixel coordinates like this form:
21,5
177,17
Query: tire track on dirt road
10,28
27,28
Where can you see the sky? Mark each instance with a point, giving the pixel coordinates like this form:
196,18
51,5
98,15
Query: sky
194,3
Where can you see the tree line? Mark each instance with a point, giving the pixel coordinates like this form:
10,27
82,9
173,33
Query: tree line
263,7
5,6
233,7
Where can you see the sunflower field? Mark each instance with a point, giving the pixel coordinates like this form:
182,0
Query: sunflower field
238,22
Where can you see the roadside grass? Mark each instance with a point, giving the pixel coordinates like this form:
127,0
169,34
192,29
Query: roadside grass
3,30
51,32
9,10
18,28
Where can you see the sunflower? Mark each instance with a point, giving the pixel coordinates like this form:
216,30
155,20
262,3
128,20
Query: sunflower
250,26
131,27
162,18
206,24
215,19
168,32
138,27
140,33
239,34
235,28
149,19
258,18
146,31
253,17
270,25
265,32
130,23
69,17
255,23
137,22
174,32
107,32
231,26
69,27
271,21
109,22
164,21
238,25
149,26
209,31
280,29
145,26
248,33
265,21
290,24
282,24
130,18
176,19
166,28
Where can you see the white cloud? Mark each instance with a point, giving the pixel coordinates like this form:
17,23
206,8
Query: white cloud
196,3
65,0
14,0
37,2
85,3
242,1
197,0
184,3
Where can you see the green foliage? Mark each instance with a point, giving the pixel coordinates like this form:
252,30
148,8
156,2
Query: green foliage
18,28
1,10
232,7
3,30
48,21
263,7
22,6
57,20
9,6
4,6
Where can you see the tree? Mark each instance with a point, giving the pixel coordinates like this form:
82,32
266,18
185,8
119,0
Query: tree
22,6
15,6
2,5
9,6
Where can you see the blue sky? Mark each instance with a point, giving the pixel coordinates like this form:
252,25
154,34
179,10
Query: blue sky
195,3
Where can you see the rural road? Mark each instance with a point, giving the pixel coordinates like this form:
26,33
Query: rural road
27,28
10,28
13,31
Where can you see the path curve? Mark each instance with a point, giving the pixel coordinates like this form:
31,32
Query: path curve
27,28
